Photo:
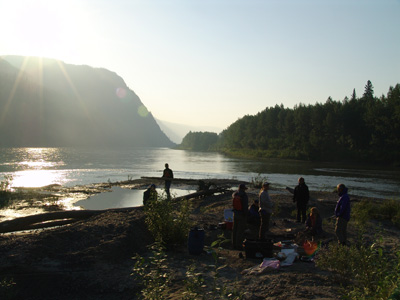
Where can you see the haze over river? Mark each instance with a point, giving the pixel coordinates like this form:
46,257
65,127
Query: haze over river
35,167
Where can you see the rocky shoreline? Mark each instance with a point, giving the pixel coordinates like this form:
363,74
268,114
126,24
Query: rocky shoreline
92,258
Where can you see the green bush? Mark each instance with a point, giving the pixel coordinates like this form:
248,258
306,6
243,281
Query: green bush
168,222
5,193
387,210
366,271
257,182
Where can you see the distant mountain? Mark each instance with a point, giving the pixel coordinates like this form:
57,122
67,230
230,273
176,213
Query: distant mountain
176,132
46,102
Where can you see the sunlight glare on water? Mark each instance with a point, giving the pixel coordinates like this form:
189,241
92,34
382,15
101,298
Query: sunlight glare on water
37,165
37,178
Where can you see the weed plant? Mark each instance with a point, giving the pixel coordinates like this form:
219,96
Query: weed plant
168,222
257,182
7,289
365,270
5,192
153,273
387,210
156,279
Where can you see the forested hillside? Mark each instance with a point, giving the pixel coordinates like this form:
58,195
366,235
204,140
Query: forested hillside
365,129
48,103
361,129
201,141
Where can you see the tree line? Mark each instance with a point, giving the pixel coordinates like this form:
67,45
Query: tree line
357,129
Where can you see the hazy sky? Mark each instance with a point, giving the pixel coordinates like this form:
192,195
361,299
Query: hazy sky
210,62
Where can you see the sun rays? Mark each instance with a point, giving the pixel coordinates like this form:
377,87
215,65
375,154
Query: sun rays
32,69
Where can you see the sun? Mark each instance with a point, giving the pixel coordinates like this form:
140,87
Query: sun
44,28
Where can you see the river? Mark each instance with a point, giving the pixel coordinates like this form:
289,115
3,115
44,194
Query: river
34,167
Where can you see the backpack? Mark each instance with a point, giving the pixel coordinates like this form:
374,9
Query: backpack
237,202
167,173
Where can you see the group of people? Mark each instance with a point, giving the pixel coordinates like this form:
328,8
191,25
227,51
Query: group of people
257,217
151,194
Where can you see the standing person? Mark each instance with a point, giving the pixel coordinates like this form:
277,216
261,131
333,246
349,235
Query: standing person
301,195
342,213
266,206
240,208
168,175
253,219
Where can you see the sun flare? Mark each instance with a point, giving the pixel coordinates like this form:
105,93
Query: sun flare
54,29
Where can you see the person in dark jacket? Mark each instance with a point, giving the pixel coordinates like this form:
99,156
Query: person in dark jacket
342,213
253,219
314,223
167,175
239,218
301,195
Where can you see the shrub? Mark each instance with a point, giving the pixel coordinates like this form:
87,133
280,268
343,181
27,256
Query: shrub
5,193
388,210
168,223
367,271
257,182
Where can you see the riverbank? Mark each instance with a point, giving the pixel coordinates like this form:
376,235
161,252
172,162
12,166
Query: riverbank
92,259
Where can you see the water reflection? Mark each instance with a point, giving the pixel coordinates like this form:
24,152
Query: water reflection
35,167
32,167
37,178
119,197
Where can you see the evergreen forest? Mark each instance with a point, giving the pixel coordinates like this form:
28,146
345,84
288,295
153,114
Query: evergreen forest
363,129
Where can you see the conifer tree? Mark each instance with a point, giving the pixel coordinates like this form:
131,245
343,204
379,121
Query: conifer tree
368,90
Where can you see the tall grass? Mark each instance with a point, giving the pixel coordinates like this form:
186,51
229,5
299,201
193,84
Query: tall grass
366,269
387,210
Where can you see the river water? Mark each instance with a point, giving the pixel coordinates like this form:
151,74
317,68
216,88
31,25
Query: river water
34,167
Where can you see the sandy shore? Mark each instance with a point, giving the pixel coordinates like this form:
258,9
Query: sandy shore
92,259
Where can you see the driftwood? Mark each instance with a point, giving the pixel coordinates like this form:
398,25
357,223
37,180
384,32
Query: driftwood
60,218
181,180
203,194
51,219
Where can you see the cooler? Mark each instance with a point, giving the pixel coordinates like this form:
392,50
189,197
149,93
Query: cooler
228,216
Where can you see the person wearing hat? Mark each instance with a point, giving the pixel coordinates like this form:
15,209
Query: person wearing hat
301,195
265,211
239,216
150,194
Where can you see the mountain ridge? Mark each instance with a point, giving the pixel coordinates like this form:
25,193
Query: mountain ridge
176,132
46,102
